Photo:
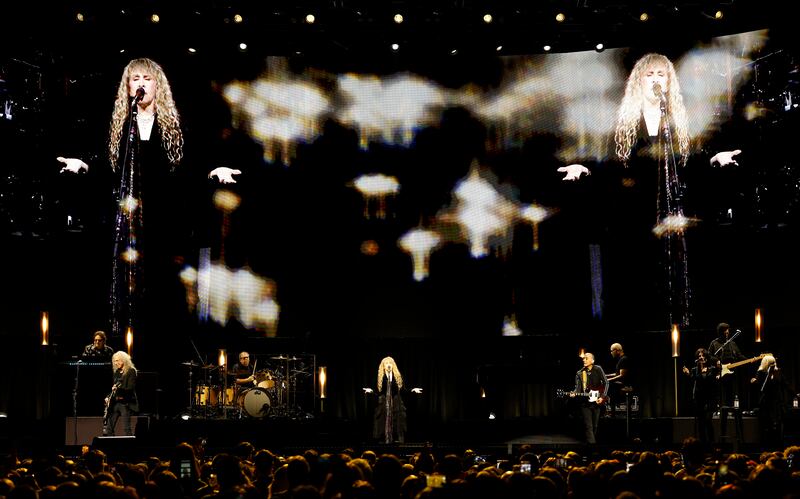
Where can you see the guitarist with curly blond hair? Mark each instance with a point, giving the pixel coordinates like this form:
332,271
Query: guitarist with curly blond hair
122,401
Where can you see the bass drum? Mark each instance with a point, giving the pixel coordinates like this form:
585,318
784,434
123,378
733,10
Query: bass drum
255,402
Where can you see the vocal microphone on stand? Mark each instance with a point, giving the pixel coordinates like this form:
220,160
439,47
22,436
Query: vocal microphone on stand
660,94
139,95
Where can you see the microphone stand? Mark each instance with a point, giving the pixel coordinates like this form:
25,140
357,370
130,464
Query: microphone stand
671,206
125,222
766,378
726,342
75,402
191,384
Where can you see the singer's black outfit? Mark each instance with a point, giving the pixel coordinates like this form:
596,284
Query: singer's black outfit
704,398
595,379
159,230
124,403
645,277
772,404
390,414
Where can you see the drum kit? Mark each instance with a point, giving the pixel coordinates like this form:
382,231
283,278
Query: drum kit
272,394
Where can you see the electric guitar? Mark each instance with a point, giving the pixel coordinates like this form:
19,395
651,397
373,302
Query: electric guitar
727,368
109,401
591,395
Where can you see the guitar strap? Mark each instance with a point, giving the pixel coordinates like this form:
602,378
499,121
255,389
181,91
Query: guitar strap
584,379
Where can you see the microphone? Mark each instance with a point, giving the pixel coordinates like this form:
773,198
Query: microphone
659,92
738,331
139,95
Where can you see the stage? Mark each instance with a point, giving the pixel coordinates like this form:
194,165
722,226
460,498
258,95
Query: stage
494,439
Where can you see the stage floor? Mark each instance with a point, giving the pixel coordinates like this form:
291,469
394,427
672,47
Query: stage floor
289,436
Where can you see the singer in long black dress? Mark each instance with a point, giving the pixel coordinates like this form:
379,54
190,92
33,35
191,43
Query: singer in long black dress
390,414
155,192
646,256
123,402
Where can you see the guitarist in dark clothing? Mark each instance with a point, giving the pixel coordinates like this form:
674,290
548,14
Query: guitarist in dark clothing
592,383
725,350
121,402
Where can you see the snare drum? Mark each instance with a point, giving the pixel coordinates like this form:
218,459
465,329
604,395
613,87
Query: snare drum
255,402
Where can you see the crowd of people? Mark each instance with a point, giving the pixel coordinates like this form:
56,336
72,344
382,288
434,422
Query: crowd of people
243,471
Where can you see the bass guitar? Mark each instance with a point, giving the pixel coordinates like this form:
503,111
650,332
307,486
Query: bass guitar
591,395
728,368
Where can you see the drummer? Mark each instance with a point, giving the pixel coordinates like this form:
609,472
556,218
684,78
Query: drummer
243,372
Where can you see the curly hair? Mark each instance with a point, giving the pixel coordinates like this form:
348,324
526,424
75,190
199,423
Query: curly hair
630,110
395,372
166,112
127,363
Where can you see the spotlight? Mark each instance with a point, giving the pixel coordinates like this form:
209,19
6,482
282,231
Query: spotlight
492,416
498,48
192,50
719,14
186,416
547,48
398,18
560,17
454,52
599,47
155,19
487,18
242,46
79,17
310,19
644,17
395,47
238,18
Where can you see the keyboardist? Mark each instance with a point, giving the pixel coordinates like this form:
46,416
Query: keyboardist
98,350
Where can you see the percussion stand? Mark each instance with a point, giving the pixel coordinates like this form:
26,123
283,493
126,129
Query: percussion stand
223,396
288,385
191,392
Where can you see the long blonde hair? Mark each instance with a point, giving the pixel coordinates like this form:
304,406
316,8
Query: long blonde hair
766,362
395,372
166,112
127,363
630,110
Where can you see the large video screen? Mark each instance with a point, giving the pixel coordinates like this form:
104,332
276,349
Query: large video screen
456,194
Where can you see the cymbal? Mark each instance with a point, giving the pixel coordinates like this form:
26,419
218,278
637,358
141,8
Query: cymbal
279,357
190,363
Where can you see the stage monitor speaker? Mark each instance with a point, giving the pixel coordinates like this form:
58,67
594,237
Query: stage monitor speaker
683,427
83,429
